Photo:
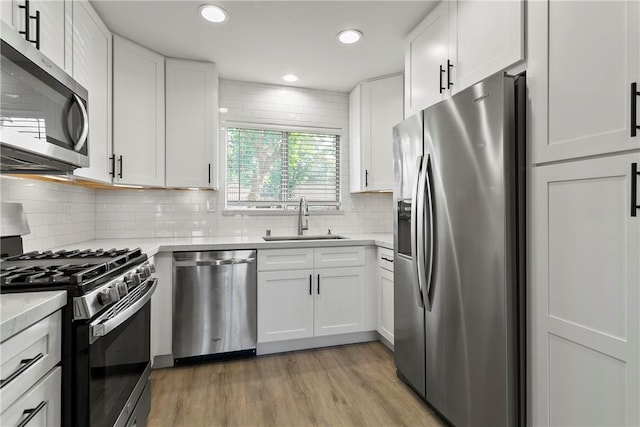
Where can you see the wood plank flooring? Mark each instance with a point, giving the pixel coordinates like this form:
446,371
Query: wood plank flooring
353,385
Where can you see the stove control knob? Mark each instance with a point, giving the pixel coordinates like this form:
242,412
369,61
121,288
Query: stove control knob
152,268
108,295
122,289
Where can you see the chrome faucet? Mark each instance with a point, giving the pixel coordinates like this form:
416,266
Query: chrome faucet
303,209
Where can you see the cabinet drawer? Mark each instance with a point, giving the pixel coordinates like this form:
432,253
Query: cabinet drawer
347,256
42,403
385,259
28,356
285,259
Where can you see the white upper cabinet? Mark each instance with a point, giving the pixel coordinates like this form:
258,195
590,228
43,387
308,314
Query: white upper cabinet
458,44
49,26
191,124
484,37
426,53
375,106
138,114
584,58
92,61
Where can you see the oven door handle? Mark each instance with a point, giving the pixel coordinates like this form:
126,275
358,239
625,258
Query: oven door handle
100,329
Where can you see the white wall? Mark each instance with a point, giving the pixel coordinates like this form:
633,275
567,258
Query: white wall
183,213
58,214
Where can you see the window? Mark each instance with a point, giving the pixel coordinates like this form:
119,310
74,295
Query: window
272,169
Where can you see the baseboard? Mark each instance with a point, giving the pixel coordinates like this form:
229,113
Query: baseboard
162,361
316,342
385,341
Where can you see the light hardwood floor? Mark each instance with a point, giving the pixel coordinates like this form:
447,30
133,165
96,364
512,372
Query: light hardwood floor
353,385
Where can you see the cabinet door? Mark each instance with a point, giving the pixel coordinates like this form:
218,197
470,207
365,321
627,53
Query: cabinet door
44,396
55,30
484,38
192,123
585,298
339,302
285,305
138,114
583,57
382,109
426,51
385,309
10,14
92,69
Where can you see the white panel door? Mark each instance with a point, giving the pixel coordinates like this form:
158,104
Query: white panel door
426,53
385,308
339,300
382,109
285,305
138,114
92,59
484,38
585,298
583,57
55,28
191,123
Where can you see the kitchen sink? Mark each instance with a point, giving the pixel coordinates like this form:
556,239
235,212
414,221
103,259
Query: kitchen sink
296,237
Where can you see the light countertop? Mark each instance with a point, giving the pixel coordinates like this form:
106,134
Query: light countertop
19,311
153,246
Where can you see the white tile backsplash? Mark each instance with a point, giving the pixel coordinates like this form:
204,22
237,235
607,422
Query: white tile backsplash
58,214
118,213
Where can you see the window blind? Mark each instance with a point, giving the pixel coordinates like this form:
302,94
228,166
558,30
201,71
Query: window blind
272,169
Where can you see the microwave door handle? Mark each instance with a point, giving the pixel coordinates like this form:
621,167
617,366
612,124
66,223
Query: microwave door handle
85,124
415,229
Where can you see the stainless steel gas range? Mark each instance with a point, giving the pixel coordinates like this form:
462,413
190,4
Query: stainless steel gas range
106,329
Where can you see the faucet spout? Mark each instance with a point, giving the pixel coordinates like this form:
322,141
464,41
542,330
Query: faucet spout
303,209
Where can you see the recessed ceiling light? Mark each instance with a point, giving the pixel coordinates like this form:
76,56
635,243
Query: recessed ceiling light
349,36
213,13
290,78
223,109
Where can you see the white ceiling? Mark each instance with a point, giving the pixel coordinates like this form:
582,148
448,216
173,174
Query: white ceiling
262,40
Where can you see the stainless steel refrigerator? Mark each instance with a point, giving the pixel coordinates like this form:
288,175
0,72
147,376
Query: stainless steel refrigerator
459,253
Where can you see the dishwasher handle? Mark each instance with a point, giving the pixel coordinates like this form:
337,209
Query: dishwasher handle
214,262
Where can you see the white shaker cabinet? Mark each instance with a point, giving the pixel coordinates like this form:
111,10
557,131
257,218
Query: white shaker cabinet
584,56
585,293
426,53
458,44
49,26
375,107
92,60
138,114
191,124
296,301
385,294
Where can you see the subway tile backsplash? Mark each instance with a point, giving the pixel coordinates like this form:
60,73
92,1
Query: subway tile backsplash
62,214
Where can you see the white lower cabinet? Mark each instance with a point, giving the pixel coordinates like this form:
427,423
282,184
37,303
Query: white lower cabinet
285,305
39,406
585,293
385,294
296,302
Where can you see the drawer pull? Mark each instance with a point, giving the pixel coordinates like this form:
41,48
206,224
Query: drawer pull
24,365
384,258
32,413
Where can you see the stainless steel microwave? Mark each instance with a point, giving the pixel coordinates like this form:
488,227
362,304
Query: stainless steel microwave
44,122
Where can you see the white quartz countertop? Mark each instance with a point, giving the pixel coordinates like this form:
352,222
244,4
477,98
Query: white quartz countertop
154,246
19,311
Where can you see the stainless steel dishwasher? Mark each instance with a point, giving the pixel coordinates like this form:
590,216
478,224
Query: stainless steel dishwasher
214,304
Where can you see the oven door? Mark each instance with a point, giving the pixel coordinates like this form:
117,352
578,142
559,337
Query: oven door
119,359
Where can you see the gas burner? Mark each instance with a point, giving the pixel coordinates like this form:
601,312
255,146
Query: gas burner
68,254
50,275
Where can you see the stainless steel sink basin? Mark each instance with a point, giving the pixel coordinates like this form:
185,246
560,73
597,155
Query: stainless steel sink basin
295,237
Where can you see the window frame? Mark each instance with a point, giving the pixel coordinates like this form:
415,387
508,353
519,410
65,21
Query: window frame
283,207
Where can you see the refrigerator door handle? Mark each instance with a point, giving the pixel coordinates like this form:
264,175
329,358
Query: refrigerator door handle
415,225
431,229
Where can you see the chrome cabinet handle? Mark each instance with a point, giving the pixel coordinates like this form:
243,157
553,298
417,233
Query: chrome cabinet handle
85,124
31,413
24,365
